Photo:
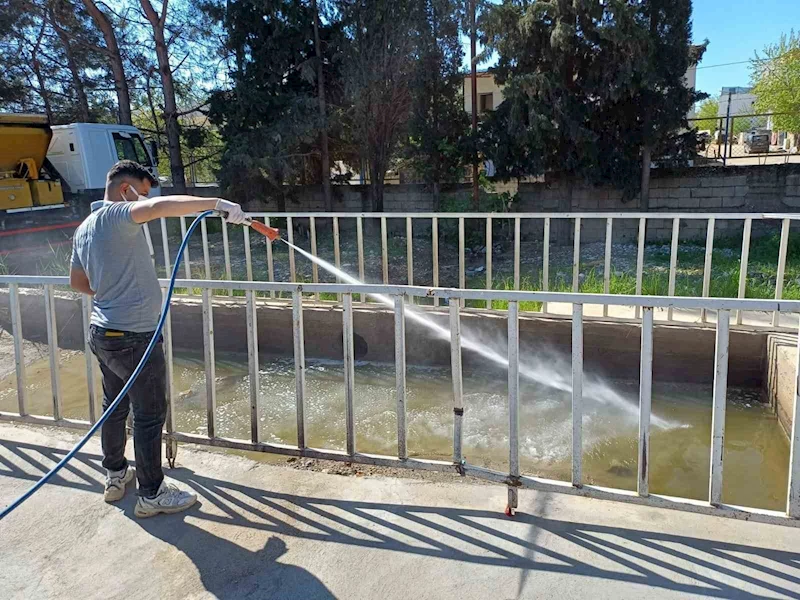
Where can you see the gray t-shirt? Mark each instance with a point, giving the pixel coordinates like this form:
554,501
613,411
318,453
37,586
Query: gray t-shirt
112,250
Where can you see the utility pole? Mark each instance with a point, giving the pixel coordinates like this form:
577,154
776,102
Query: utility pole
728,129
474,83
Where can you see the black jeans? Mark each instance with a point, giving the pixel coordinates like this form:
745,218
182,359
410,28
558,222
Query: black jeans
118,354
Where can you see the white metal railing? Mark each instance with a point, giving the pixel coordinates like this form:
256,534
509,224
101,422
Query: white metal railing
434,219
513,478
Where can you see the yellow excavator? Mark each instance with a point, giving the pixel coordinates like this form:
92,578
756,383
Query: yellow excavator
28,182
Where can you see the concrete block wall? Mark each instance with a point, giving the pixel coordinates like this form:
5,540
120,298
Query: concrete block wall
743,189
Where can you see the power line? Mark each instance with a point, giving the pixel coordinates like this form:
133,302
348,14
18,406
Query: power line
741,62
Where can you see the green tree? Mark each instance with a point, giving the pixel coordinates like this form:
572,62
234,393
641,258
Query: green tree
708,114
268,116
379,66
435,148
592,89
776,78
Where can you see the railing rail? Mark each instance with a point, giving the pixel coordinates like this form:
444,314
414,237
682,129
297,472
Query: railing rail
400,296
413,242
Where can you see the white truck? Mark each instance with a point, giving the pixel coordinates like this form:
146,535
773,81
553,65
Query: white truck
84,152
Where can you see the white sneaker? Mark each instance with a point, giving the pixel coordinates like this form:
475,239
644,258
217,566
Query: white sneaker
169,499
116,482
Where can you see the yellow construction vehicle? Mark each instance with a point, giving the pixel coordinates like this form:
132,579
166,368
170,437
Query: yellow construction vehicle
28,182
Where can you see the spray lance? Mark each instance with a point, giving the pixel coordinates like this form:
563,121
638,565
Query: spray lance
270,233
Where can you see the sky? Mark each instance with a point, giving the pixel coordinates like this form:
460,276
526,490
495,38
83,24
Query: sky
735,29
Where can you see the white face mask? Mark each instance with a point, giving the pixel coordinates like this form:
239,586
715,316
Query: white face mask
125,199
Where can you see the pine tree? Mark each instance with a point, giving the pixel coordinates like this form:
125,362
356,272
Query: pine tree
592,88
435,148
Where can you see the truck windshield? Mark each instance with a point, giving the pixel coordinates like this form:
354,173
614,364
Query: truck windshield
131,147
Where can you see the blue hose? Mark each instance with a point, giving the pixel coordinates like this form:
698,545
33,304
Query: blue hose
137,371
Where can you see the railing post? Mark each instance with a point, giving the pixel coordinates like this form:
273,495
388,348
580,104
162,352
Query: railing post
165,246
748,225
513,405
410,250
673,260
461,260
206,257
290,236
209,363
337,257
776,316
86,314
299,366
187,265
252,364
458,396
400,374
576,256
435,244
546,260
489,282
271,262
171,449
577,395
707,265
52,342
385,252
640,259
793,494
226,249
645,399
517,243
349,372
248,256
607,263
19,354
360,243
314,267
718,411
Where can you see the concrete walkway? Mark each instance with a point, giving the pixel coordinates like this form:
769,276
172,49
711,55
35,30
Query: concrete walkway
269,531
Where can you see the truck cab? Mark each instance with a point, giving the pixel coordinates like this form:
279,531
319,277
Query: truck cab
84,152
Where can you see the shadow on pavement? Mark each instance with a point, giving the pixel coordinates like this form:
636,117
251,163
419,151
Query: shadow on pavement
689,565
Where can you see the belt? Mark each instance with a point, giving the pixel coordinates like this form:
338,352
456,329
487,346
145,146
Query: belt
116,333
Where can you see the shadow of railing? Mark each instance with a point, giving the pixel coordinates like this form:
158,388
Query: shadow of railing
686,564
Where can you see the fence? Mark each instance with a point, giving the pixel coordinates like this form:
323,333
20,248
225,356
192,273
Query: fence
514,478
729,141
488,224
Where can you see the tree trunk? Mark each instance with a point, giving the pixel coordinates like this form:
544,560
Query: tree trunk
437,201
326,161
170,105
377,173
77,83
114,59
36,67
474,90
644,202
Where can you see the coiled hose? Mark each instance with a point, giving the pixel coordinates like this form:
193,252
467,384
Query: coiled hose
154,340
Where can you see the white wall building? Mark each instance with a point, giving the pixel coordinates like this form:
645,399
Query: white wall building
741,99
490,94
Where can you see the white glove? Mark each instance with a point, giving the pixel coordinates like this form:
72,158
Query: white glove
232,212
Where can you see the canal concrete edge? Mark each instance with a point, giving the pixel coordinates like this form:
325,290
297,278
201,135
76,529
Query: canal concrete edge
267,531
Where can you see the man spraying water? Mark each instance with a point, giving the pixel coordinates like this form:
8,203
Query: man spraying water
111,262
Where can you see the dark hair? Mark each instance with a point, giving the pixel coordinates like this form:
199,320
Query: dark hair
128,168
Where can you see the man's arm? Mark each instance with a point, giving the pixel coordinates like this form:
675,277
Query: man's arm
151,209
78,281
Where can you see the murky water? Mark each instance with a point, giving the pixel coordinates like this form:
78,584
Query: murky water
756,450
